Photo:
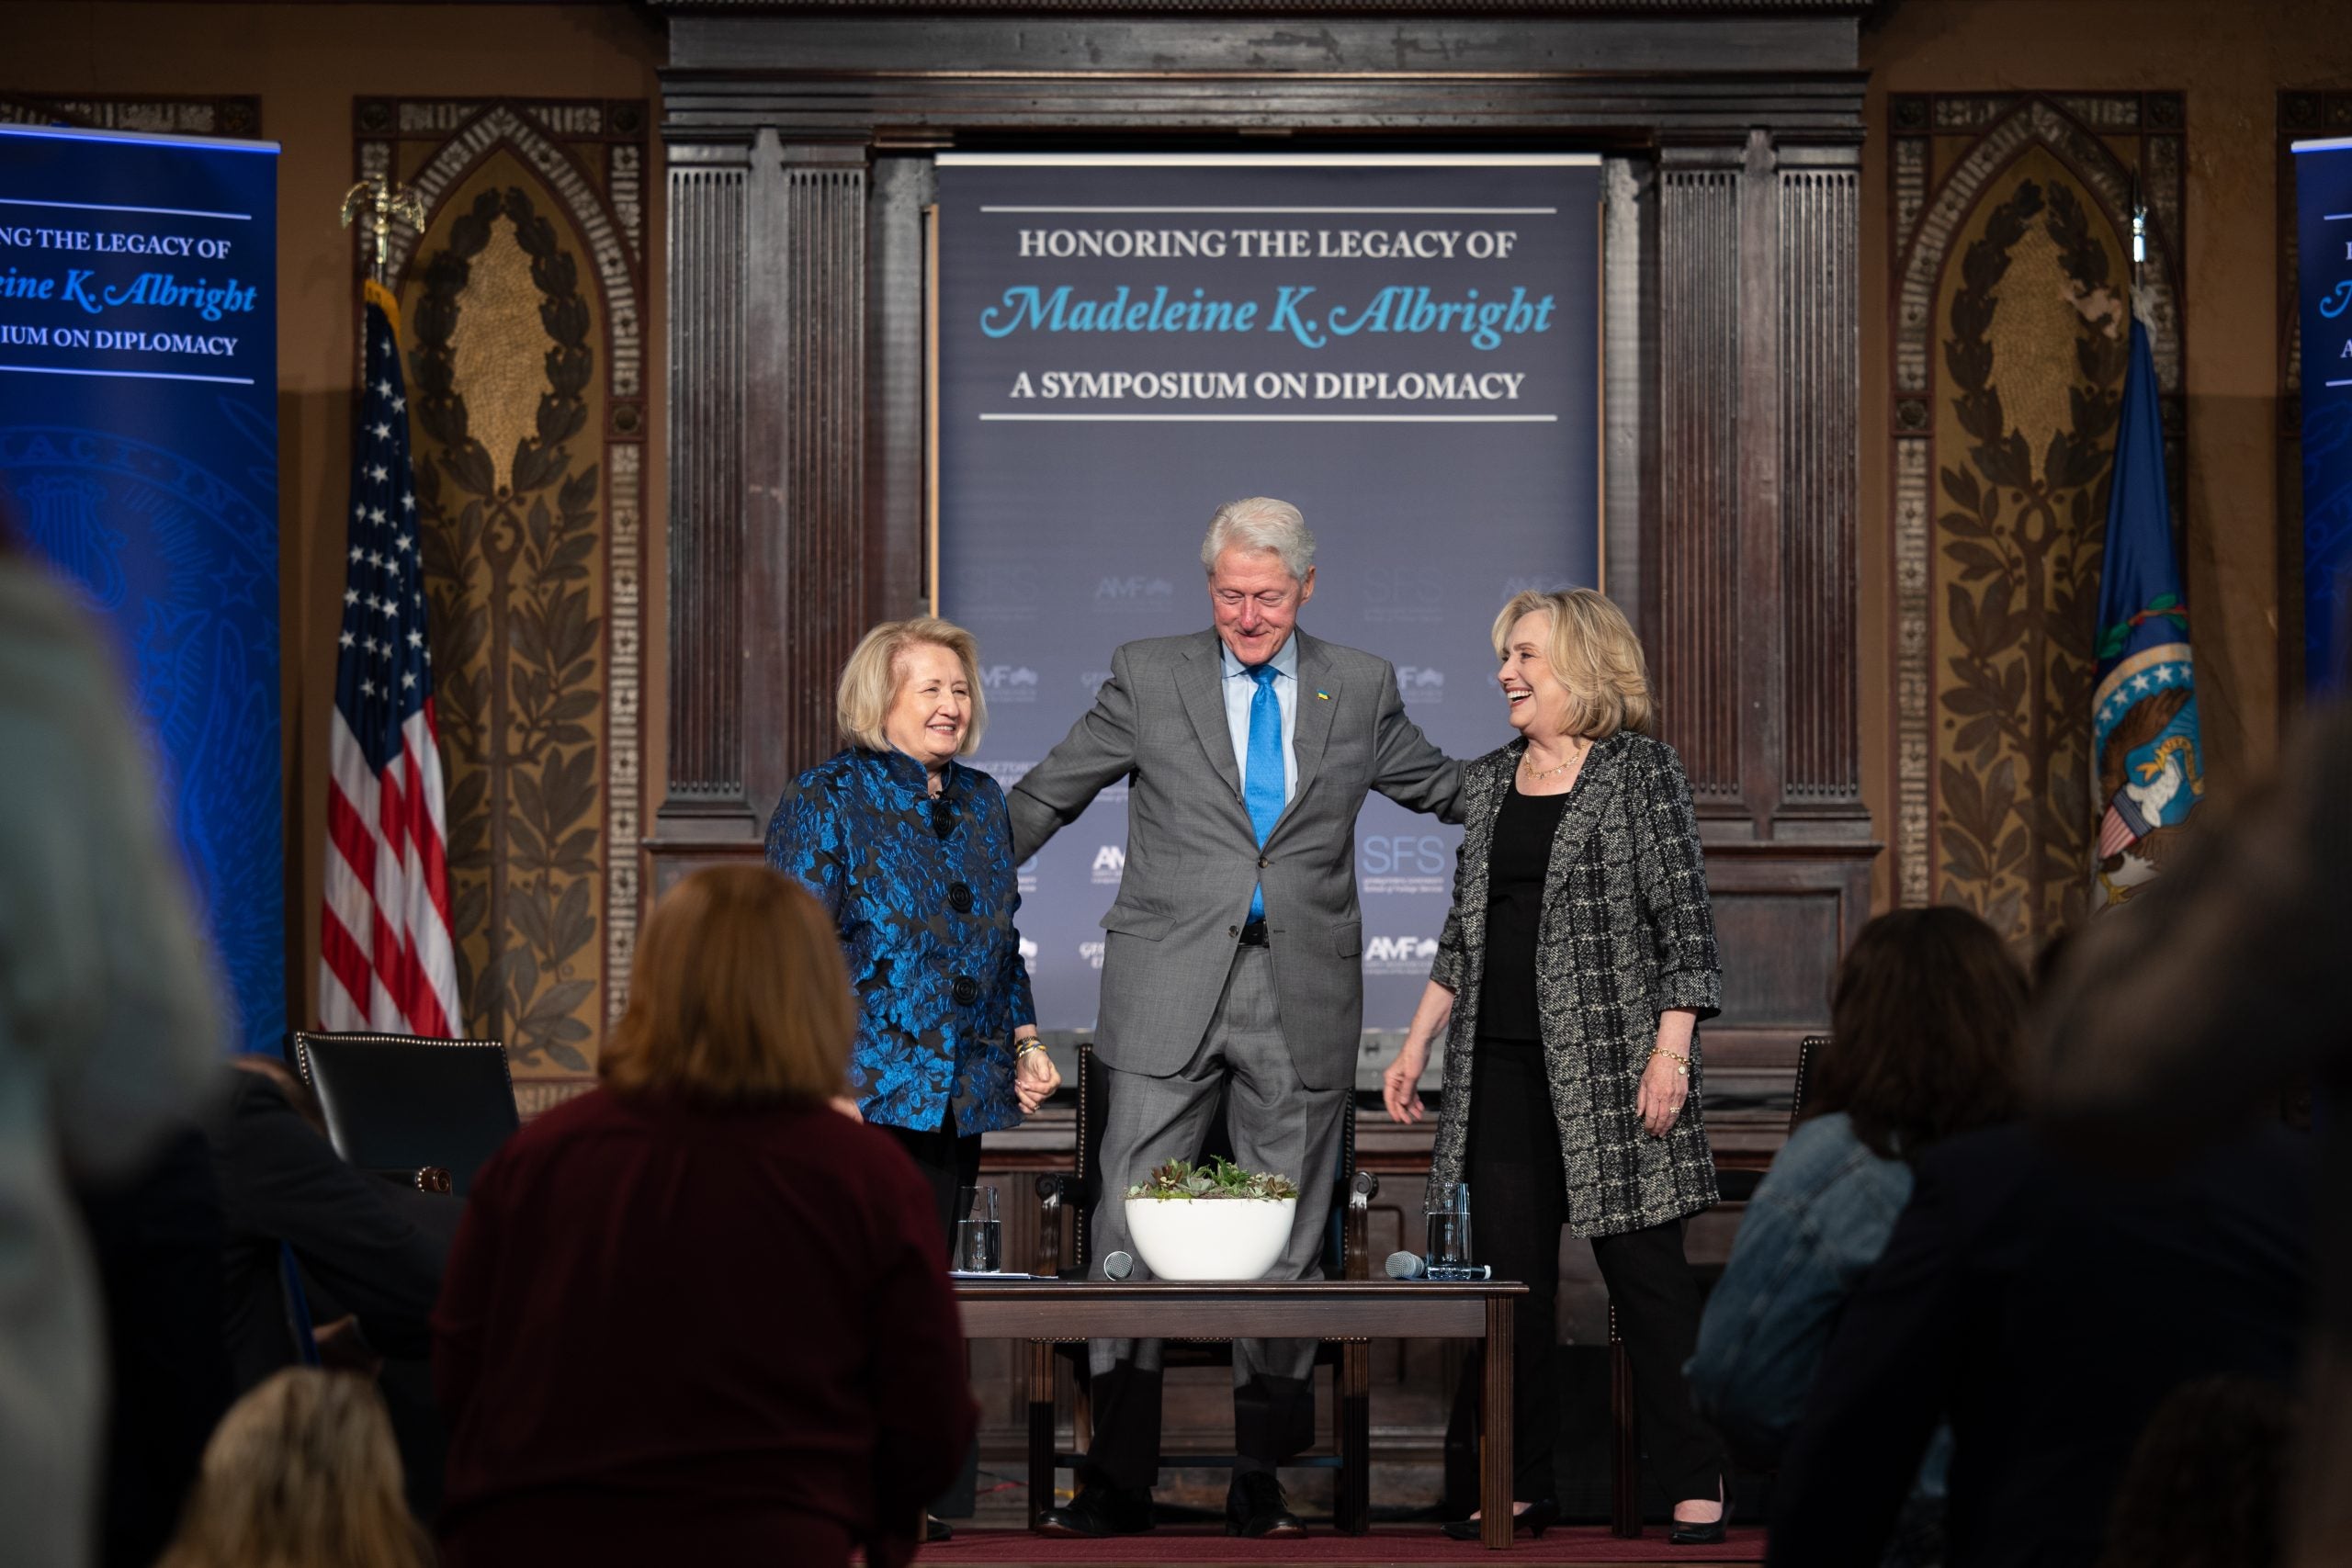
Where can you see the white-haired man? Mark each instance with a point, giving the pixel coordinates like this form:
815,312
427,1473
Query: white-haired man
1231,961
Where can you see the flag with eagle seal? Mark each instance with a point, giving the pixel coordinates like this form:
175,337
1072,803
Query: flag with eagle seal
2150,772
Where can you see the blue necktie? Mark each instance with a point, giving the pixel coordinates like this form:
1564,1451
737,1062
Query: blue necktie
1262,782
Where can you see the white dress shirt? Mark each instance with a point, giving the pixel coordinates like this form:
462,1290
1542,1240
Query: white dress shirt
1242,689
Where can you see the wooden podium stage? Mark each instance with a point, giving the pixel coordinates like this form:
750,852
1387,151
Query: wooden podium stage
1403,1546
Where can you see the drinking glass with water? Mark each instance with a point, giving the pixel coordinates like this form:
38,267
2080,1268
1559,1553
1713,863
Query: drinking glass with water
1448,1219
979,1234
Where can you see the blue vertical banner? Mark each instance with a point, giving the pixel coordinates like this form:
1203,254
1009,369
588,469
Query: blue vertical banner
1406,348
2324,267
139,454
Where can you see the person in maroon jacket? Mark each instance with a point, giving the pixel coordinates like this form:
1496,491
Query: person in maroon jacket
697,1315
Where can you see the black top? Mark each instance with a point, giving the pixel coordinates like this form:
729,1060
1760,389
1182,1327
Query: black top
1520,858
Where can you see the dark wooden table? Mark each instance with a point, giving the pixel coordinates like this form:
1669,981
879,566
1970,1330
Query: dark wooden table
1047,1311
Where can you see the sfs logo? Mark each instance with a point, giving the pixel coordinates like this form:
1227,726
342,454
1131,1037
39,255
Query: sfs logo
1110,864
1092,952
1404,854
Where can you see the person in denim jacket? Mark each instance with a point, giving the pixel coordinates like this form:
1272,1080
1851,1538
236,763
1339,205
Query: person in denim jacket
1923,1043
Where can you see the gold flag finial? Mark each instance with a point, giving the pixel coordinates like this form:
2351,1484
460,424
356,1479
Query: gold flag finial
379,201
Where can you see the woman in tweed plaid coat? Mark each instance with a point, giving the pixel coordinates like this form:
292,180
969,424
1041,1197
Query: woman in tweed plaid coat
1575,964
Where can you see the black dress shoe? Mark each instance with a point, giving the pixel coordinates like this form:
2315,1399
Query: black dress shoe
1535,1518
936,1529
1099,1510
1712,1533
1254,1505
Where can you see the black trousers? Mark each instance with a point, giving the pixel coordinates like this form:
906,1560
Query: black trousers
1518,1203
947,1162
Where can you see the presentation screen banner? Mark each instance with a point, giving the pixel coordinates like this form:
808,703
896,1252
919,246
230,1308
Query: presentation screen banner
2324,258
1405,348
139,454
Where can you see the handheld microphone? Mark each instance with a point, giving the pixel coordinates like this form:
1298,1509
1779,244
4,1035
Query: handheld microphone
1406,1265
1117,1265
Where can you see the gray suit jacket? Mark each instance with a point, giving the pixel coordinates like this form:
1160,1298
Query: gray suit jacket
1193,856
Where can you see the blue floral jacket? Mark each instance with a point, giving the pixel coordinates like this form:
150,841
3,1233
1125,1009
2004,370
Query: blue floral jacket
926,927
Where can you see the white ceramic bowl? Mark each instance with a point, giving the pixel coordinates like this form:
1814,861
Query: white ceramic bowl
1210,1238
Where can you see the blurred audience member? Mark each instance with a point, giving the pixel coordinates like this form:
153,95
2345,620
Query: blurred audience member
158,1242
302,1473
369,1252
696,1315
108,1026
2213,995
1924,1041
373,1248
2045,1310
2207,1486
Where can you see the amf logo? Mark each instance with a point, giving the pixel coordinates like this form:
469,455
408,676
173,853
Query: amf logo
1134,593
1009,682
1093,681
1110,865
1399,955
1421,684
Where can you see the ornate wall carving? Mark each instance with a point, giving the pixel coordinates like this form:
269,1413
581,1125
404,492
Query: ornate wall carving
2011,300
232,114
525,371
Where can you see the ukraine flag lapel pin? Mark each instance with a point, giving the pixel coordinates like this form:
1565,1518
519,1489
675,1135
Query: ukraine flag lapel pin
1325,696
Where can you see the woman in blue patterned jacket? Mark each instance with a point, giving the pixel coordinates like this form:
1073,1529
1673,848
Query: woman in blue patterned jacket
912,852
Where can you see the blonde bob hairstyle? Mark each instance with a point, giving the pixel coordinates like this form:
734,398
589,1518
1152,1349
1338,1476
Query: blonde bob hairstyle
737,995
302,1471
870,678
1593,653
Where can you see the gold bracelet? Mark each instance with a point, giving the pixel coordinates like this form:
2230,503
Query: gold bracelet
1683,1061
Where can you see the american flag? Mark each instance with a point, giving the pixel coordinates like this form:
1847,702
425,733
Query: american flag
385,958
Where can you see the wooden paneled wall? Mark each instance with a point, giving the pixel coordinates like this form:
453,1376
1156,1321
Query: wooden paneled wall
797,140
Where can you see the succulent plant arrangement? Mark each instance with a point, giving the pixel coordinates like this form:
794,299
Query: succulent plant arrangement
1220,1177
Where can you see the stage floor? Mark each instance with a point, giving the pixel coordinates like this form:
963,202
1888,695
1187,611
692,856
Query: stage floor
1388,1546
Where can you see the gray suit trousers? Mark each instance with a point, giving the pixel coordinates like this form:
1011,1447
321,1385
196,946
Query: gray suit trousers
1277,1125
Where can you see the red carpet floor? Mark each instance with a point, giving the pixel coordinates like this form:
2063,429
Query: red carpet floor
1403,1546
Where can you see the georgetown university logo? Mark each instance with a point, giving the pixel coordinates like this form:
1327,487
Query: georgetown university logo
1092,952
1403,594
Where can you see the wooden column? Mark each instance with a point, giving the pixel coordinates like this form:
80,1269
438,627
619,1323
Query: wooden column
709,204
768,545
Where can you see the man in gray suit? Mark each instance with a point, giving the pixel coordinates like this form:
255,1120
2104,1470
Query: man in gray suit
1231,965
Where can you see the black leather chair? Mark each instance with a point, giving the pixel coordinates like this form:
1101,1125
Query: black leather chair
419,1110
1625,1494
1346,1256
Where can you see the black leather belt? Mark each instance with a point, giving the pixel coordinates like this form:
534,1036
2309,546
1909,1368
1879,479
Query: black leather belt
1254,934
